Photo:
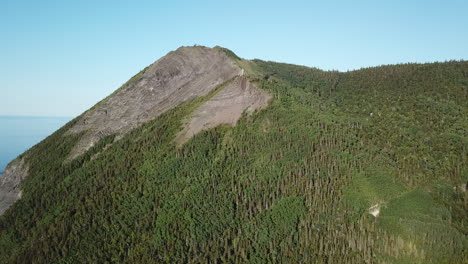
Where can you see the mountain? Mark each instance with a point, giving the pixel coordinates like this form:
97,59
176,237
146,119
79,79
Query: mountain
204,157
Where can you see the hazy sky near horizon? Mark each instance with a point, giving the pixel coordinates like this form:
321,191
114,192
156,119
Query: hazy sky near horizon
58,58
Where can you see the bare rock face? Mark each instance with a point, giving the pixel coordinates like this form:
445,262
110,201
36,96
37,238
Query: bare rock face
226,107
179,76
10,191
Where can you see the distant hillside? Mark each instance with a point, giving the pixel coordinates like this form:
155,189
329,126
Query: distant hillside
204,157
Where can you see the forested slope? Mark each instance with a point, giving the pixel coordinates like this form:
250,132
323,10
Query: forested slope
368,166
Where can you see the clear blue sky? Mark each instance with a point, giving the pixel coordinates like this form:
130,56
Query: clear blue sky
58,58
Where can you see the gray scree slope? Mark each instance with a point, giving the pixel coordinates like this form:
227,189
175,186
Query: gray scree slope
226,107
9,184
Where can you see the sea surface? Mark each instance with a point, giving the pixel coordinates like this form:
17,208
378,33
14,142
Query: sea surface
19,133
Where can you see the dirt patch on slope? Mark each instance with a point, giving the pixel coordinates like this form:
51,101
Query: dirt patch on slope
375,210
226,107
10,191
179,76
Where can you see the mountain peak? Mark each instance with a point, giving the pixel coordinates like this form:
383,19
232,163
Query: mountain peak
181,75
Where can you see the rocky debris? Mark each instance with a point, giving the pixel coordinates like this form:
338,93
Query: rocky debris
375,210
179,76
10,191
226,107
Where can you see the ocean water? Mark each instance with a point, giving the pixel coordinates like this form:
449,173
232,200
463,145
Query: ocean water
19,133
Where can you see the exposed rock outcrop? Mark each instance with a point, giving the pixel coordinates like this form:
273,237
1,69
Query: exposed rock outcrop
179,76
10,191
226,107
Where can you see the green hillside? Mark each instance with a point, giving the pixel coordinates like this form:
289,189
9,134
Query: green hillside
292,183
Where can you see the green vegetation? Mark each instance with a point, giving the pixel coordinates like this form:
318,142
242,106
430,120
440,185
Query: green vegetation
292,183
